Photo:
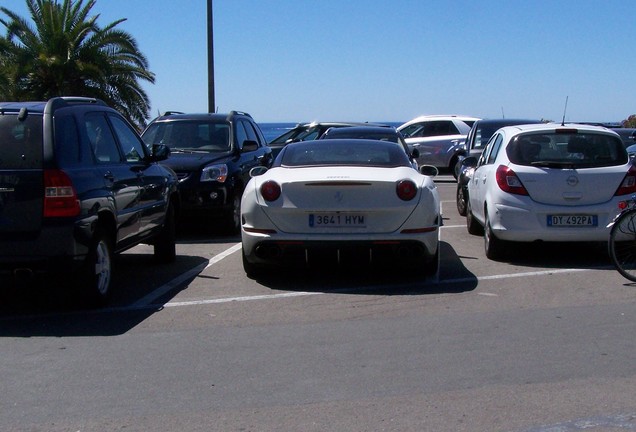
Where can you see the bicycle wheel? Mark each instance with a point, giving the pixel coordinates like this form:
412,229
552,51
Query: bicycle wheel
622,244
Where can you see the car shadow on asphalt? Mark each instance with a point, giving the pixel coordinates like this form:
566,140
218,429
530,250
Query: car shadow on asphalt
373,280
46,307
558,255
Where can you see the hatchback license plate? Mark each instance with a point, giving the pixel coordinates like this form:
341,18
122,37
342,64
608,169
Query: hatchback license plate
572,220
335,220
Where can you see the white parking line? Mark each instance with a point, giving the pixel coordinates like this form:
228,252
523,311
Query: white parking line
191,274
150,299
366,288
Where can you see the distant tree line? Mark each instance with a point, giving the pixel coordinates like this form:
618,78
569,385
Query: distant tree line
630,122
63,51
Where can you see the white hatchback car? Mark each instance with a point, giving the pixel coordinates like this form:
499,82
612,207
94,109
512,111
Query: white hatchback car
439,139
549,182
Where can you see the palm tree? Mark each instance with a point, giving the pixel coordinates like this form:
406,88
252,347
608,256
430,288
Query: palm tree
65,52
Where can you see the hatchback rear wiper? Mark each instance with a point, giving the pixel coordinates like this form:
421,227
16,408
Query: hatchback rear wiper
553,164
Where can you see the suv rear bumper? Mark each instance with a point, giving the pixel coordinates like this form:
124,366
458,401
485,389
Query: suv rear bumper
54,248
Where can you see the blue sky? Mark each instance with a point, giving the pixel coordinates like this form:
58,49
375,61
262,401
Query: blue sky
387,60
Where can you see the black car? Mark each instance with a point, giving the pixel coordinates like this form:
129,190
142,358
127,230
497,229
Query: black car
476,141
77,184
307,132
381,133
212,155
628,135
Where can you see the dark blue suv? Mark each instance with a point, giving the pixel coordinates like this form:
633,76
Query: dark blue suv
212,155
77,184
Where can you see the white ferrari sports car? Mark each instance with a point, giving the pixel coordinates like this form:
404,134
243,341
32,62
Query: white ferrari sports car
341,202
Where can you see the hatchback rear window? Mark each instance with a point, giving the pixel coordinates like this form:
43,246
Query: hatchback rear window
20,142
567,150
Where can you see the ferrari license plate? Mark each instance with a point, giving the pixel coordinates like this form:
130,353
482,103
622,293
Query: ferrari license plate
572,220
335,220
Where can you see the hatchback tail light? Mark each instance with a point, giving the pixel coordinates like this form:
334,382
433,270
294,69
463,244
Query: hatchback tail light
509,182
628,185
60,198
406,190
270,190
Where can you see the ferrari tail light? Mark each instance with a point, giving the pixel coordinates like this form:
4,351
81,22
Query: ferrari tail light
509,182
60,198
628,185
406,190
270,190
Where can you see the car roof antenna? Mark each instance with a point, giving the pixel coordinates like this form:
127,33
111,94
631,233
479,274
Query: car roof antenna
564,110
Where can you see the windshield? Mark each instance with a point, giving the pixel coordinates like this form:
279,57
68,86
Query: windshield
203,136
298,134
344,152
344,133
567,150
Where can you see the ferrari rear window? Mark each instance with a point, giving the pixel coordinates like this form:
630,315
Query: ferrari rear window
344,152
567,150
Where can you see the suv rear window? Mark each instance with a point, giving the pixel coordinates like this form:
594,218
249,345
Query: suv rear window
20,142
567,150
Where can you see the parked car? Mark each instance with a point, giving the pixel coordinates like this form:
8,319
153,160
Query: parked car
438,139
475,143
307,132
77,184
212,155
341,202
628,135
548,182
382,133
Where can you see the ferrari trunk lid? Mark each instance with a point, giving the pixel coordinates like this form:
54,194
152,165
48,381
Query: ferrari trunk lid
337,200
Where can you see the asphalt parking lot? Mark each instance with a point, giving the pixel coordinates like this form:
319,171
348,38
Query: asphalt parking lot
541,340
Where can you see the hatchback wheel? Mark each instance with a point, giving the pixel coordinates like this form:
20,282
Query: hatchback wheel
495,248
461,200
472,225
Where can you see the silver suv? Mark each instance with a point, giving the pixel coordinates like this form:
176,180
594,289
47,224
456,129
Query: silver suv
438,139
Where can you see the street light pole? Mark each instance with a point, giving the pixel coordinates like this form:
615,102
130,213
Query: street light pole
211,102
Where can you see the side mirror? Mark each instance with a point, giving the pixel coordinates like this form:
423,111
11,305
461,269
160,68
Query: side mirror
249,146
429,170
469,162
159,152
257,171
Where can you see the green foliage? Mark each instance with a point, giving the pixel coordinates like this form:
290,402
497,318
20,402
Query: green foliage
62,51
630,122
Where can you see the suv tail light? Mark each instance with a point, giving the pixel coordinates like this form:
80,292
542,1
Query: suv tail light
509,182
60,198
406,190
628,185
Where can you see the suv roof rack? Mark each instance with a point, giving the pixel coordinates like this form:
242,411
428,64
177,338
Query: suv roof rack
233,113
64,101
